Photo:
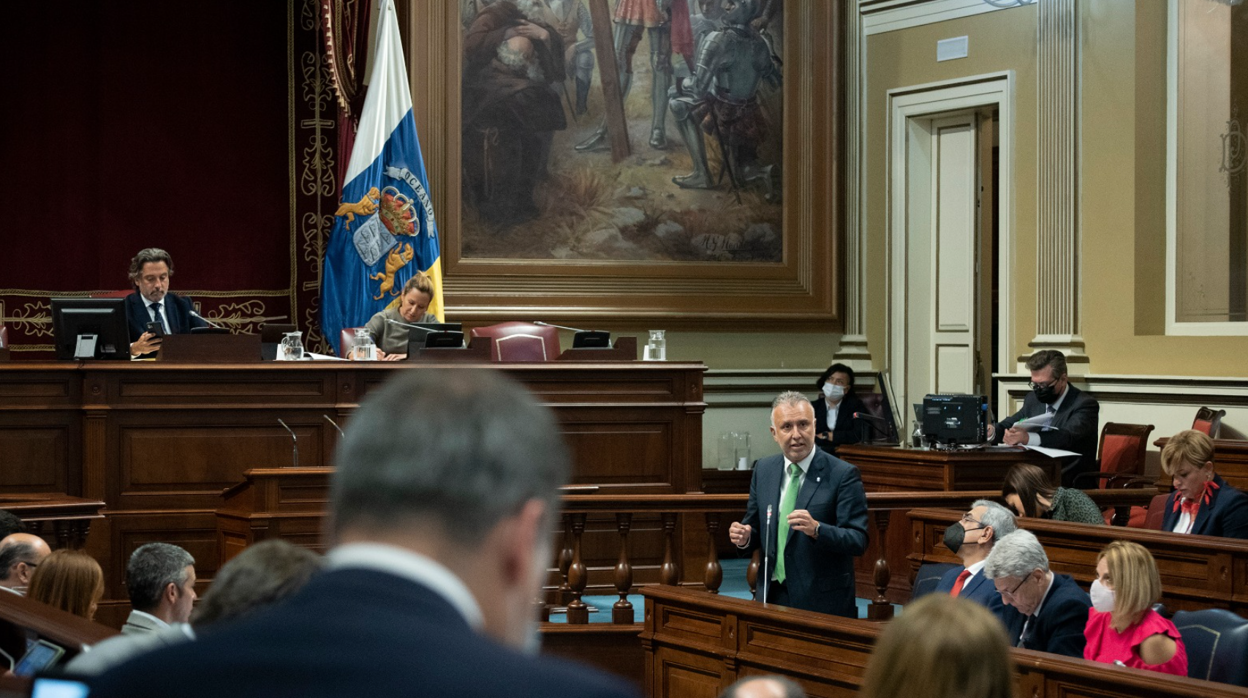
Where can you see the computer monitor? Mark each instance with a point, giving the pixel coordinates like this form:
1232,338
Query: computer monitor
955,419
435,335
90,328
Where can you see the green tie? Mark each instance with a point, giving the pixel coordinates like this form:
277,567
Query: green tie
782,524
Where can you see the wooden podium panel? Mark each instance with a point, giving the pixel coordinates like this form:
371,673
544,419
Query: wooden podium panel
158,442
896,469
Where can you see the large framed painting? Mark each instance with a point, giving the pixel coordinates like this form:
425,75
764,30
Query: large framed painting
627,161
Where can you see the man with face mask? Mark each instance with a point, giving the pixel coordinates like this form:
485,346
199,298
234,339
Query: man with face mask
971,539
1073,416
439,548
834,412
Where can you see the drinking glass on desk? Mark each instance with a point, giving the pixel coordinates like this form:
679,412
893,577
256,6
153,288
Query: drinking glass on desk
291,348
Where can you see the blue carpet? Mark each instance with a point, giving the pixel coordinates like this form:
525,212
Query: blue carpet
734,585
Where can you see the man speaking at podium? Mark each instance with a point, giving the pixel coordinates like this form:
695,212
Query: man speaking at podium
820,517
151,302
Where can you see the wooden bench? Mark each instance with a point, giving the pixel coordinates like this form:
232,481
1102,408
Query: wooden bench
1196,571
696,644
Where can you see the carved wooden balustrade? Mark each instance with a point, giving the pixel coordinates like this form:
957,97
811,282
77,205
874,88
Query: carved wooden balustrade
714,509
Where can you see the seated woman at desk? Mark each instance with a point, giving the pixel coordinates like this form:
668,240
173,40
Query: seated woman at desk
1028,492
391,337
834,414
1202,502
1123,628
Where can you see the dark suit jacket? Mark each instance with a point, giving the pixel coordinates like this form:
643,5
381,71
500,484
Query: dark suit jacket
981,590
351,632
177,312
1058,628
847,431
1077,425
819,571
1225,515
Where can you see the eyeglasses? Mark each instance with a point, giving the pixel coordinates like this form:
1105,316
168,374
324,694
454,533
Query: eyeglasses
1011,593
1038,386
967,518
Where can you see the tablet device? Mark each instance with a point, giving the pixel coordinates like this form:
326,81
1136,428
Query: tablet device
58,687
39,657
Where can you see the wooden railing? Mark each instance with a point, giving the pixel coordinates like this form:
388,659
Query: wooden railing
713,508
60,517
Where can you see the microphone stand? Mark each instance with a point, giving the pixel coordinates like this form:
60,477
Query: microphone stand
340,434
766,556
294,440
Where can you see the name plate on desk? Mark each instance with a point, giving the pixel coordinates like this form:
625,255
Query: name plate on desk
210,349
625,349
477,352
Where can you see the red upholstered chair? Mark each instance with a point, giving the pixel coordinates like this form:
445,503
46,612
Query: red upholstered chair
1208,421
1121,462
1153,516
521,341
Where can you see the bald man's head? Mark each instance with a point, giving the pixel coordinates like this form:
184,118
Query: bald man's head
764,687
20,554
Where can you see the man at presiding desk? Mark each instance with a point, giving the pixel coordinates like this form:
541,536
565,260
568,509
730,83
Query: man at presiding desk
820,516
150,271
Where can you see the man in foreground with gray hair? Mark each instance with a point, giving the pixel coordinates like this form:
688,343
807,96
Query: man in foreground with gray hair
1056,609
971,539
818,522
764,687
160,580
440,544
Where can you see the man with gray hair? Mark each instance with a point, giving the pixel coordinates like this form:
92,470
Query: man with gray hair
440,545
764,687
971,539
160,579
20,554
811,510
1056,609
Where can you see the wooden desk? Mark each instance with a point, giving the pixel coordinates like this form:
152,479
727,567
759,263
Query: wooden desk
1230,460
62,519
1196,571
159,442
697,644
895,469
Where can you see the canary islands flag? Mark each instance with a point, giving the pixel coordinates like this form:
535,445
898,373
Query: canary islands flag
384,231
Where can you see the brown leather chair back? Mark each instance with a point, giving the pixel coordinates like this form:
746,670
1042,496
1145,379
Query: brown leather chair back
521,341
1208,421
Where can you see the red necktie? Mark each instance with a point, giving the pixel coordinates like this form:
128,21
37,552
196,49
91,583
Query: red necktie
957,586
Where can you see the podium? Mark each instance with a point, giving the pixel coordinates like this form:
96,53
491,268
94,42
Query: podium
286,503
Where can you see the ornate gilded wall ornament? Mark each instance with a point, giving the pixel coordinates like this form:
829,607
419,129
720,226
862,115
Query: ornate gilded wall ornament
1234,150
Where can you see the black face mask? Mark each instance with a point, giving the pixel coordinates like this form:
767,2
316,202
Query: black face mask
1046,393
955,535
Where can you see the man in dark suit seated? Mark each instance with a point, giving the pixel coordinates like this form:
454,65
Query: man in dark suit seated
151,301
441,545
820,521
972,539
834,412
1074,415
1056,609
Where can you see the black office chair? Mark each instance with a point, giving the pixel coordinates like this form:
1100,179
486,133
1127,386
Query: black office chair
928,577
1217,642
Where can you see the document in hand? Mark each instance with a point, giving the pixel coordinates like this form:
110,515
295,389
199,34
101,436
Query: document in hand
1040,422
1050,452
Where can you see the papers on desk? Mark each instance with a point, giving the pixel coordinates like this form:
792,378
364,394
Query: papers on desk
323,357
1051,452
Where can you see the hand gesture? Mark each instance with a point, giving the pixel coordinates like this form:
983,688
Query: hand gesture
146,344
739,534
1014,436
801,520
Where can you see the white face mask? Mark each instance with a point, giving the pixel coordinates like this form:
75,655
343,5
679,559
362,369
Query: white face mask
833,391
1102,597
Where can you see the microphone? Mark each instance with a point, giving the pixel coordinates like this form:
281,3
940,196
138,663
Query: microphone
878,424
766,540
409,325
335,425
210,322
295,440
570,329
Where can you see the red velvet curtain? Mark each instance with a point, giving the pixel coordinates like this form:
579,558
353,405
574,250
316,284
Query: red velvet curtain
345,26
186,126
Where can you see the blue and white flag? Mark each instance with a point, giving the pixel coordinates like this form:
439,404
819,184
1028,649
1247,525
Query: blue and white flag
384,231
